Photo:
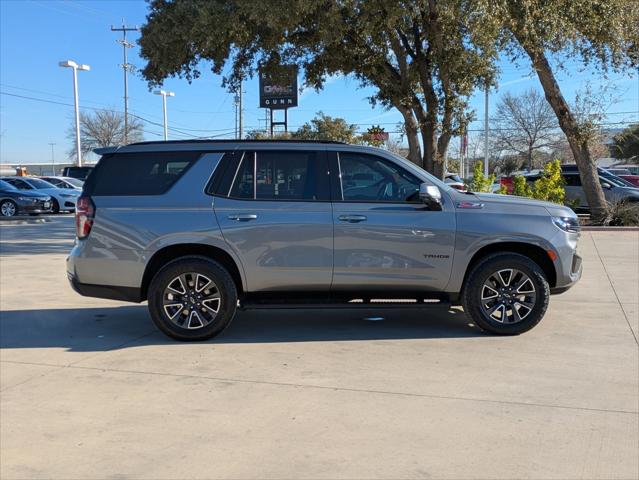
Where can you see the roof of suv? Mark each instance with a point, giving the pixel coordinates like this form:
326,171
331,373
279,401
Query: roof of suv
200,143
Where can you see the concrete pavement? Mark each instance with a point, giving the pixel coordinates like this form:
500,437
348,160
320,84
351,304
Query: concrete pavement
90,389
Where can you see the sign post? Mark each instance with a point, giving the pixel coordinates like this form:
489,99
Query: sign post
278,91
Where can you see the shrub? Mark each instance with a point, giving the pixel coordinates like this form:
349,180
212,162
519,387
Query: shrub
621,214
521,188
480,183
550,186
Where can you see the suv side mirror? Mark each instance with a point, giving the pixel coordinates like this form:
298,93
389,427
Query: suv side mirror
431,196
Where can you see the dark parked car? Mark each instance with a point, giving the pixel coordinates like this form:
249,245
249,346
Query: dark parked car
14,202
80,173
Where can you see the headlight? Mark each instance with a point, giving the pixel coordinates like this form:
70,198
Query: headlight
28,199
567,224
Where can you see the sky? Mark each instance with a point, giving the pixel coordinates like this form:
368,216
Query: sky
36,34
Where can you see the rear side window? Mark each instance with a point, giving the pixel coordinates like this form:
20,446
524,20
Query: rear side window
282,175
148,173
572,180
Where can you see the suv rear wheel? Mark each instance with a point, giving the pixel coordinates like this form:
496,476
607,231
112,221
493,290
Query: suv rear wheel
192,298
506,294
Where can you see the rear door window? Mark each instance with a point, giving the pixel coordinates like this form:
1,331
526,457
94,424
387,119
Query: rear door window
148,173
283,176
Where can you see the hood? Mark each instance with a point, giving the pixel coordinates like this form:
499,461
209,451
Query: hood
60,191
511,200
25,193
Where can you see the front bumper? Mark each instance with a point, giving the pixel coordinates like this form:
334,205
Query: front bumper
572,278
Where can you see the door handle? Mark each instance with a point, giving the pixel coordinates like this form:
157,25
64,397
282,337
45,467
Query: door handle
242,217
352,218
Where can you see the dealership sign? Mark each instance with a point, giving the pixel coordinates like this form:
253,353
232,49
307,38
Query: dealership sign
278,89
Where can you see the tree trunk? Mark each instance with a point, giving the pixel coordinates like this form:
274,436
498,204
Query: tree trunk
530,159
410,125
570,127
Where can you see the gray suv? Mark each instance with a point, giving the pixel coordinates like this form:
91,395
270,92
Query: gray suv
203,228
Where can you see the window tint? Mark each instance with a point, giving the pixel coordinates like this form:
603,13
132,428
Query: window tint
19,184
56,182
224,173
366,178
148,173
244,181
282,175
572,180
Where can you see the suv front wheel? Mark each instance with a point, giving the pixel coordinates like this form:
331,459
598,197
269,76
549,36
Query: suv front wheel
506,294
192,298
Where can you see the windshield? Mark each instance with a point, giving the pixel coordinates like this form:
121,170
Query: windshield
6,186
421,172
37,183
76,182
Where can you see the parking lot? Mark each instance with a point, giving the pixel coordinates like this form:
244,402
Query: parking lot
90,389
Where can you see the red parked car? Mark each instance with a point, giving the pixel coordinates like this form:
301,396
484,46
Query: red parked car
626,174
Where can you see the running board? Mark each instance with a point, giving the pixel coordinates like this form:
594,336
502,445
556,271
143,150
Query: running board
336,304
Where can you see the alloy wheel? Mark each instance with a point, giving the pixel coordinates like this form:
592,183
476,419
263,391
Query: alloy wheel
8,209
508,296
191,300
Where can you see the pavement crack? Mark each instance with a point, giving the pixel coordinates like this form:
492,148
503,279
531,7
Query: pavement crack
337,388
603,264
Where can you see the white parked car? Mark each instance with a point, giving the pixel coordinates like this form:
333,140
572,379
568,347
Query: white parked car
64,182
62,199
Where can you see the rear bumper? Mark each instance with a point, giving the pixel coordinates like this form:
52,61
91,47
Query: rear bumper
110,292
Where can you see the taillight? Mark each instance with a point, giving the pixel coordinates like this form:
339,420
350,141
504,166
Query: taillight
84,213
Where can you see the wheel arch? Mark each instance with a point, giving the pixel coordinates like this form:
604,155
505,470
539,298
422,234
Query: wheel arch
172,252
534,252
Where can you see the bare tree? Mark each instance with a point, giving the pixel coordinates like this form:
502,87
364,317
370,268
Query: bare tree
525,123
104,128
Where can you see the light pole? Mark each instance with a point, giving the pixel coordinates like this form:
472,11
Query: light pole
52,159
165,94
76,67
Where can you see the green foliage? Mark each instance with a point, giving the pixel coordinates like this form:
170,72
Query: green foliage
550,186
480,183
325,127
573,204
521,188
423,58
626,144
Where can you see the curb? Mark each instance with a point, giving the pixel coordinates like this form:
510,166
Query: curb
609,229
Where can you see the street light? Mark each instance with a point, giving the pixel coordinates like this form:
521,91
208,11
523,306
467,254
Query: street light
76,67
164,94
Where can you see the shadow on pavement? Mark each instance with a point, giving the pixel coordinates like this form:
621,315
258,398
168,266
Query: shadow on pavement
56,236
101,329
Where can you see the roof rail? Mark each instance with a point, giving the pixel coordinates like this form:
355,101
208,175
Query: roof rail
230,140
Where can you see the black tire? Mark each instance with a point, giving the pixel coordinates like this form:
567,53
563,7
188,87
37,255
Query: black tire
8,208
55,206
208,268
474,286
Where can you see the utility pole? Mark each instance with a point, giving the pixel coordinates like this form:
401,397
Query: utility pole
52,159
486,132
241,114
126,67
